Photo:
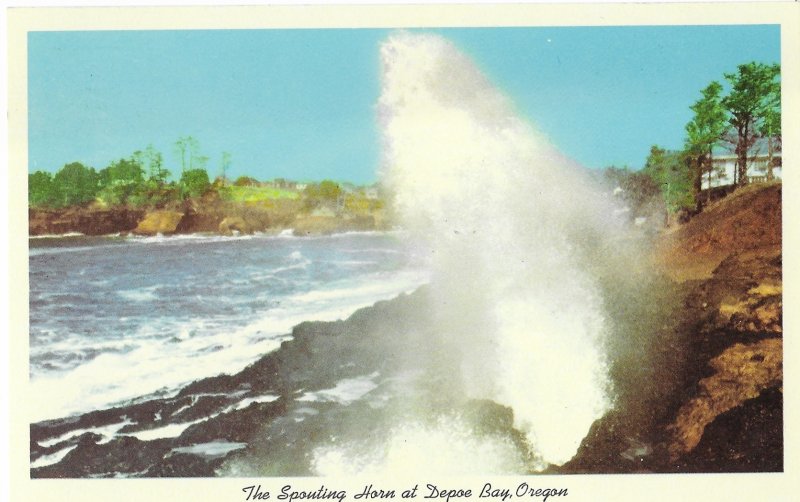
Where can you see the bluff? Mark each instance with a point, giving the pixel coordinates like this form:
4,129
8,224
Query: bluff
715,402
206,215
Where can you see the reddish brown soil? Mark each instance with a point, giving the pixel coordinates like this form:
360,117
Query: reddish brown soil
712,398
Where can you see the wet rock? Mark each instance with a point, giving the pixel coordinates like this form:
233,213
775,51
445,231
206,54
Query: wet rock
237,426
125,455
184,465
162,222
748,438
742,373
759,310
87,220
38,451
233,224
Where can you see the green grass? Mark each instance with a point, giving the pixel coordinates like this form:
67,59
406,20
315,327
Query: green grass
256,194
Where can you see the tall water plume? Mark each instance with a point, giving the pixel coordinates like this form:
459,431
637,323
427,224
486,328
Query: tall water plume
515,231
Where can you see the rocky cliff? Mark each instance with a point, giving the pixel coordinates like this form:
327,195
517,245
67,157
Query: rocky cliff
715,403
209,215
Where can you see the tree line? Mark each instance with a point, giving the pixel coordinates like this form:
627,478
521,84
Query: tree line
750,112
139,180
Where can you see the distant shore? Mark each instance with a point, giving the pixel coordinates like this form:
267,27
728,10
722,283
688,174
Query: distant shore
201,216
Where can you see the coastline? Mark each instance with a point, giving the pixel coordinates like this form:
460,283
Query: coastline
195,217
704,395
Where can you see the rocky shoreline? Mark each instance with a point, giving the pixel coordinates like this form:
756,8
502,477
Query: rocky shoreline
214,216
704,394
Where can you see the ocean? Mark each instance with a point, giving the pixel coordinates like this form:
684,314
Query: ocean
116,320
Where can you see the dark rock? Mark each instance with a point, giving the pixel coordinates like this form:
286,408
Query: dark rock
184,465
85,220
125,455
748,438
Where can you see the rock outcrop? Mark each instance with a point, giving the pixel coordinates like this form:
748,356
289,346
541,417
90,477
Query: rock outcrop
719,405
742,372
233,224
162,222
198,216
84,220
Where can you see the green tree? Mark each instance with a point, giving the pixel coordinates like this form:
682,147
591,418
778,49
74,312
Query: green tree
122,180
195,182
703,133
329,190
325,192
670,171
748,104
244,181
42,191
76,184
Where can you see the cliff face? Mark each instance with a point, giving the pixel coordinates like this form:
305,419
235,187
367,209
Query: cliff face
720,400
209,215
88,221
733,420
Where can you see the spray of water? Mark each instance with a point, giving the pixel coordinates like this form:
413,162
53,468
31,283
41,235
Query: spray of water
515,231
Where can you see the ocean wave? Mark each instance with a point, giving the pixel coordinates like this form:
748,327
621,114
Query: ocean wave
145,294
38,251
56,236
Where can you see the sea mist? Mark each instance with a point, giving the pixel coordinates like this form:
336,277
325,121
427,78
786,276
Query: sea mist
517,234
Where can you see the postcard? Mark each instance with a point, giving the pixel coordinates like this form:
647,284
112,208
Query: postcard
392,252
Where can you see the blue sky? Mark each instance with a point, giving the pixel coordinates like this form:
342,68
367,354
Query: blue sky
300,103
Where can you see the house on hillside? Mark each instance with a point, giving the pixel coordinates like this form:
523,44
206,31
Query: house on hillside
724,165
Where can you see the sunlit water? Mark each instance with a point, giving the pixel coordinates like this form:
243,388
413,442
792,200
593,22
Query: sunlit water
118,318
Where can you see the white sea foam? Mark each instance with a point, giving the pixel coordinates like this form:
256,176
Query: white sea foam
158,362
139,294
167,431
513,227
56,236
345,392
107,433
38,251
53,458
244,403
212,449
176,429
448,447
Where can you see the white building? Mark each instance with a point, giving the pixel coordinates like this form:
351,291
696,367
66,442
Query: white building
757,167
